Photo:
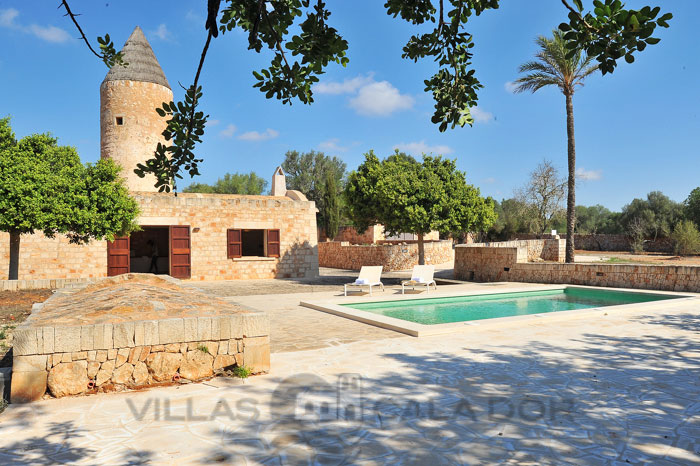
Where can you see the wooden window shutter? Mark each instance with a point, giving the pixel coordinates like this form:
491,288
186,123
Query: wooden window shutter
234,246
273,243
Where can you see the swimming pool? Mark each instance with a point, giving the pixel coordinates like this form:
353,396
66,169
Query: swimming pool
431,311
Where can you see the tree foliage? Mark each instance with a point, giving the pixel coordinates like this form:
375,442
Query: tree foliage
686,238
597,219
655,216
308,172
331,201
611,31
301,42
44,187
236,183
408,197
691,206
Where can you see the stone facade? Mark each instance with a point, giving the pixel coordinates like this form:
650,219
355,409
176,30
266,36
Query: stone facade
140,128
392,256
209,216
63,361
490,263
106,337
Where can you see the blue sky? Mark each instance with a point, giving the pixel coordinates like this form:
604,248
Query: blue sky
636,130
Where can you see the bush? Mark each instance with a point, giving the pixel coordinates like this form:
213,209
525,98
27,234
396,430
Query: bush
686,238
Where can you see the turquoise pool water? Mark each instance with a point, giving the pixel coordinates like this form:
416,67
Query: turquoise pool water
465,308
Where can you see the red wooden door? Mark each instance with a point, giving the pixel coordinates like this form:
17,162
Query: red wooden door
118,259
180,251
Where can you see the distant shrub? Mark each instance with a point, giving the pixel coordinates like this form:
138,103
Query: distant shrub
637,234
686,238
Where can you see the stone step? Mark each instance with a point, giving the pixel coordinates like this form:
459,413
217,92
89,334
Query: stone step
5,377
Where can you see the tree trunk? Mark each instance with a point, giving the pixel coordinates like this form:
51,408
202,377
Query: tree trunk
421,250
14,256
571,198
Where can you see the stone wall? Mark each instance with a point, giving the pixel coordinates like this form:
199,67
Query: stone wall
490,264
374,234
370,236
209,216
603,242
128,355
401,256
553,250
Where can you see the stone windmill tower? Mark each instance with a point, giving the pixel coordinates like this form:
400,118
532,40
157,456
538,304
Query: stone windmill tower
130,128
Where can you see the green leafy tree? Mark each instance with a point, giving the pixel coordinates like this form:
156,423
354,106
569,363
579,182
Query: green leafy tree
555,66
691,206
307,172
236,183
331,201
597,219
408,197
302,44
44,187
655,216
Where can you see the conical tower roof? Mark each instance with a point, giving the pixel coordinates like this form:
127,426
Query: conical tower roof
142,63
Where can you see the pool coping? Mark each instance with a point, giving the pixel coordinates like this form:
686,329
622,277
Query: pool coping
338,306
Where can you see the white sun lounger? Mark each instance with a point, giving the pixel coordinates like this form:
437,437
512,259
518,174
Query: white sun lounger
369,276
422,275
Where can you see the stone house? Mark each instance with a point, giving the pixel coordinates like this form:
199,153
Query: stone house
198,236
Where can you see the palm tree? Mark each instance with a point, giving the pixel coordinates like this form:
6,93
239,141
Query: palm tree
553,68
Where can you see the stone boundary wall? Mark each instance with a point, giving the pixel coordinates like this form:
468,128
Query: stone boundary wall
402,256
605,242
52,284
493,264
114,357
349,234
553,249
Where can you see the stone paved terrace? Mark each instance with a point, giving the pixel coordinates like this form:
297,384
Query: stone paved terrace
622,389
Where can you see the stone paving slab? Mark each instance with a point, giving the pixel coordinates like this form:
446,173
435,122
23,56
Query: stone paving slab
623,389
126,298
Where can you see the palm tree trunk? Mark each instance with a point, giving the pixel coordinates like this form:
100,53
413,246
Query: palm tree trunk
14,256
421,250
571,198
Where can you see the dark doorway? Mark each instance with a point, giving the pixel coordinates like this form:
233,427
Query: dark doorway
145,244
253,242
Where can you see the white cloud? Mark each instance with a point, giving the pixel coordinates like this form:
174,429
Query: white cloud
380,99
370,98
588,175
194,17
510,87
228,131
490,180
419,148
162,33
481,116
256,136
348,86
332,145
7,17
213,122
48,33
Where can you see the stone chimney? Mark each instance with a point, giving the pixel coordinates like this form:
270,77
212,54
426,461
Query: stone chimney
279,183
